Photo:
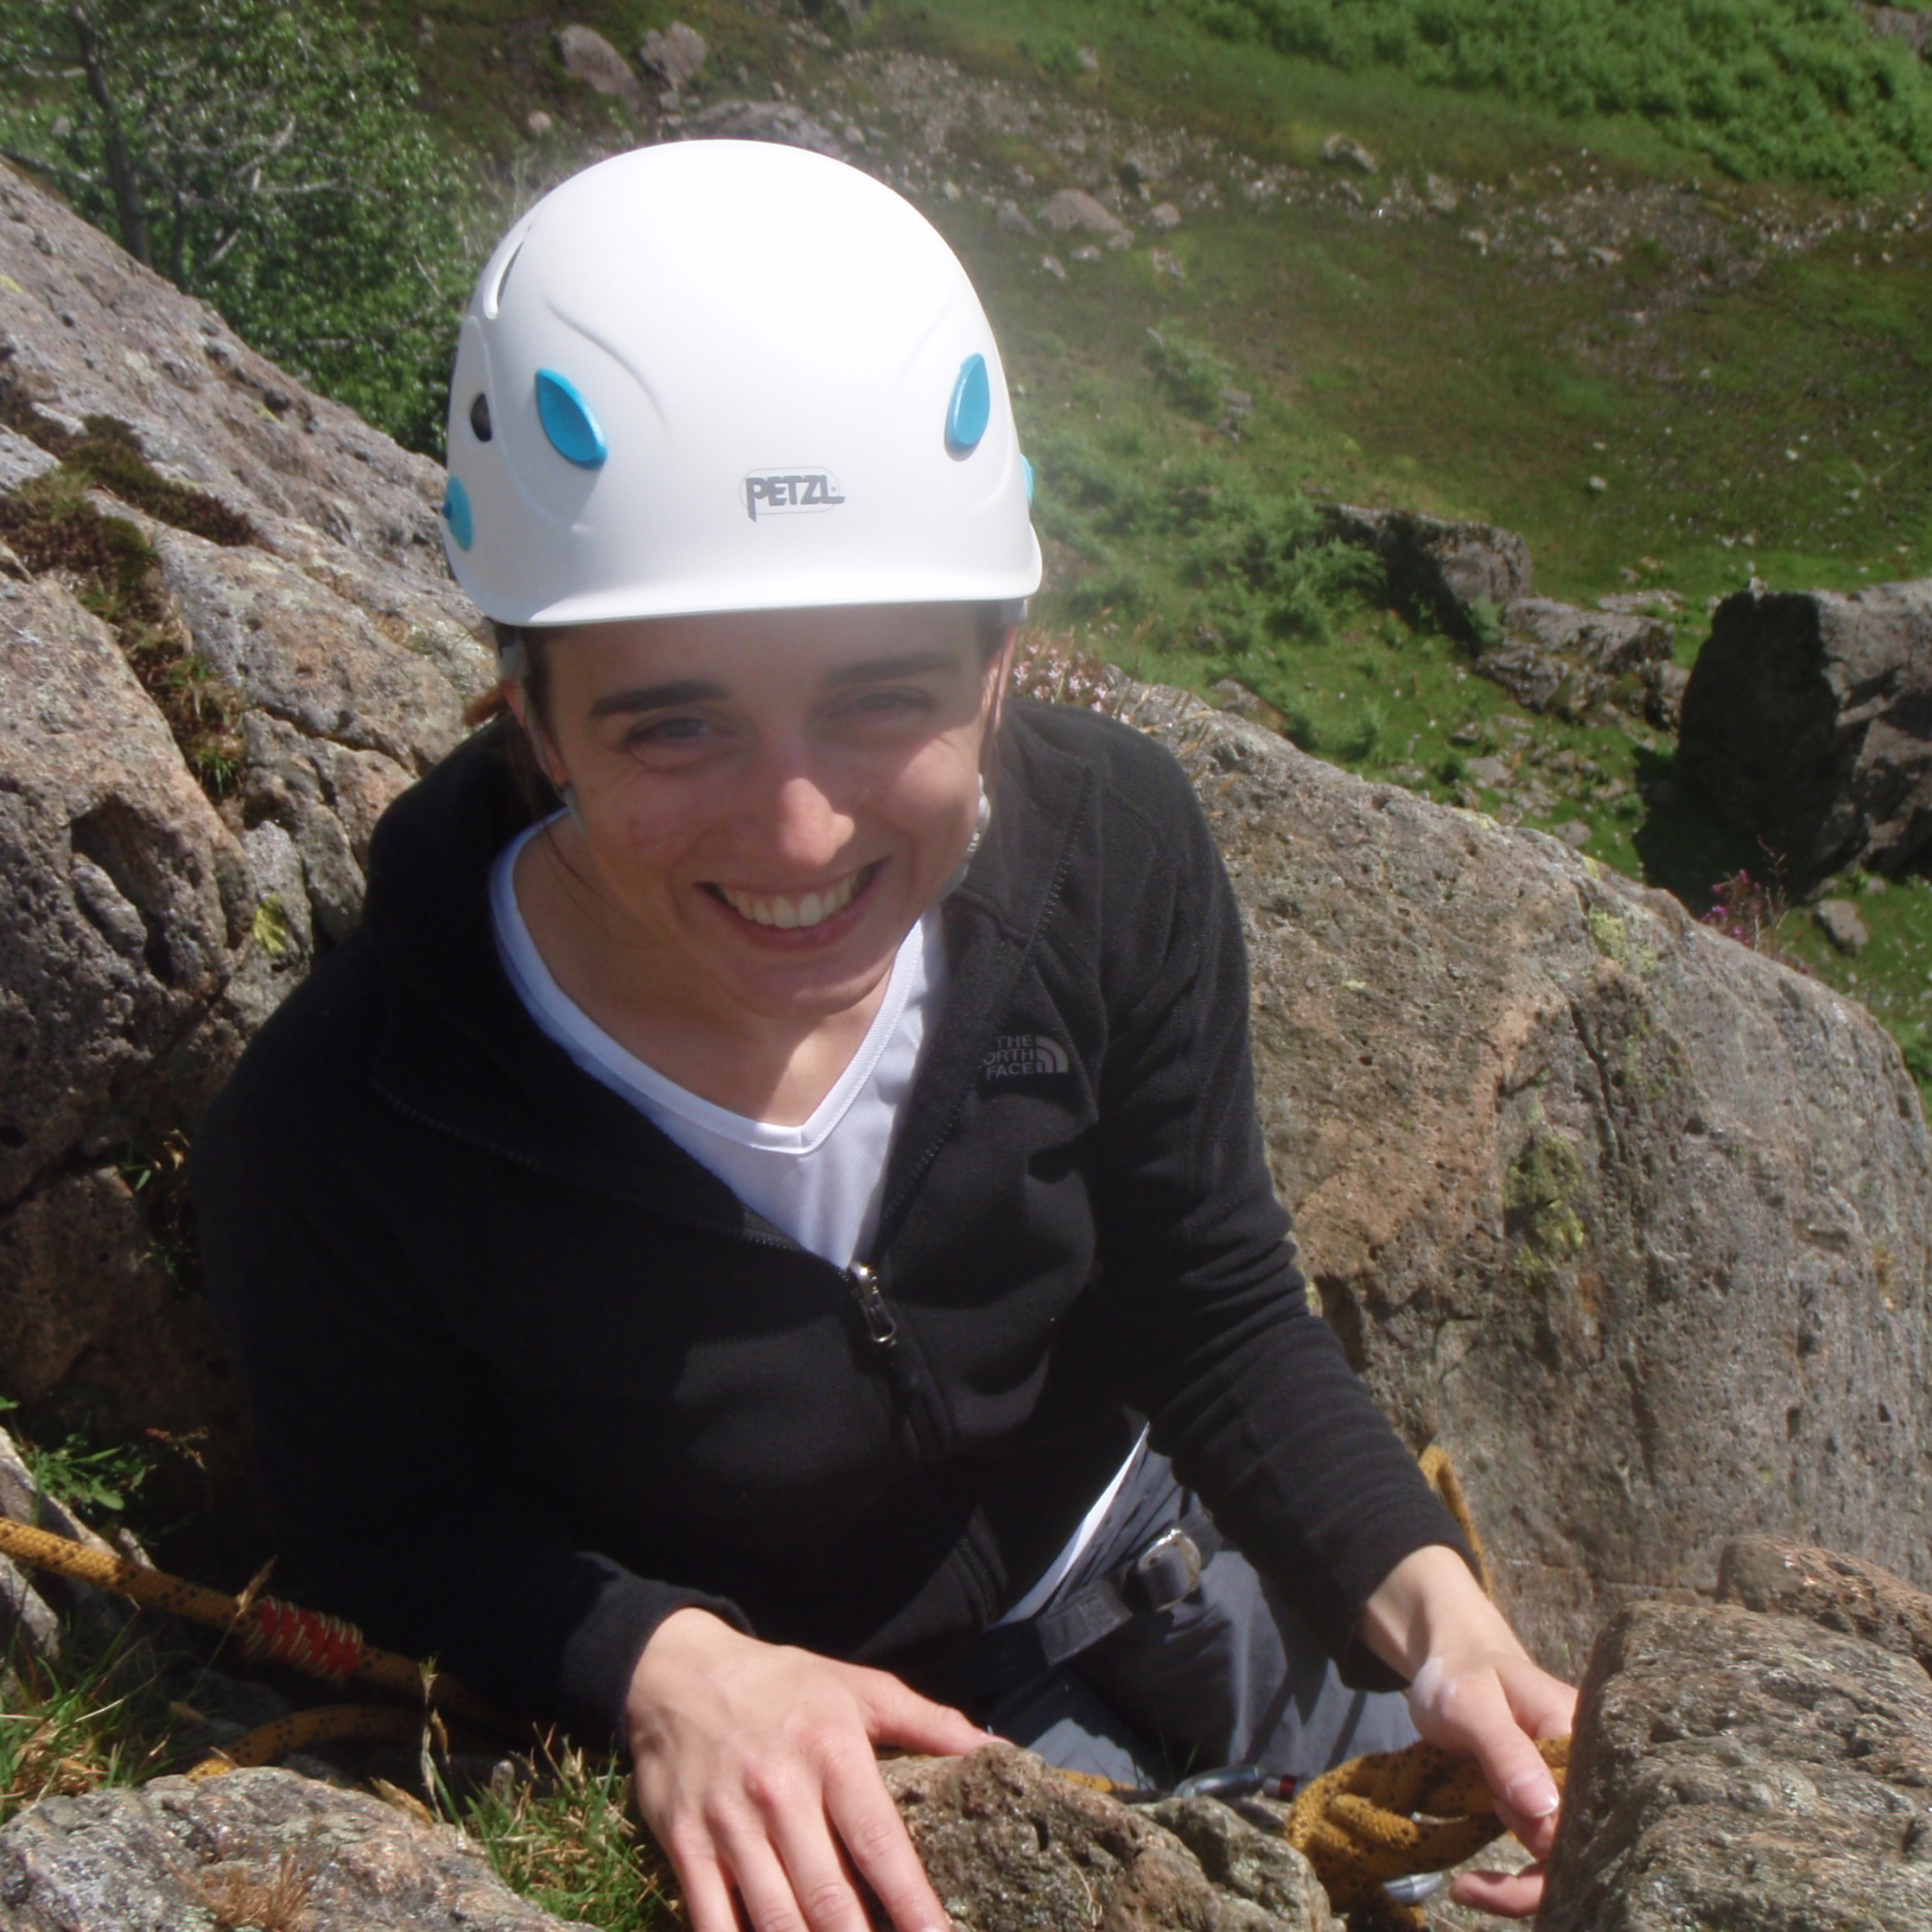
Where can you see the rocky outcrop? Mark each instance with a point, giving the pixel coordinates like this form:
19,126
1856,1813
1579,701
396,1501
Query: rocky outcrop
1011,1846
1555,657
1630,1219
256,1848
1439,569
1738,1770
289,557
1807,721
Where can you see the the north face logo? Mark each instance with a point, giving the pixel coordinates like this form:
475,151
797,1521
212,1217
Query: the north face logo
1019,1056
782,492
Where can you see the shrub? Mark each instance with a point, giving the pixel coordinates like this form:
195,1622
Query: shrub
268,157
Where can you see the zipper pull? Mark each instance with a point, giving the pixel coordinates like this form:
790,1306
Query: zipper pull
880,1323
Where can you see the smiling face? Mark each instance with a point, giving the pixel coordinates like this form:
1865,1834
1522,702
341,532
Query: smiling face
767,802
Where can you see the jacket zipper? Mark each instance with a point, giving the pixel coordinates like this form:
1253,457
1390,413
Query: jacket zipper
882,1327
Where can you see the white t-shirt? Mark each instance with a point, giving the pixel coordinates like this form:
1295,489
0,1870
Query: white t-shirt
824,1183
821,1182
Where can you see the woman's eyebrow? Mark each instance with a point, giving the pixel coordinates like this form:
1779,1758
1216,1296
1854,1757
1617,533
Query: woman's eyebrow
876,670
659,697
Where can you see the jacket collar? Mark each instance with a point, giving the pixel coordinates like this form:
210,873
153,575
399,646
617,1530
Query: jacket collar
462,1054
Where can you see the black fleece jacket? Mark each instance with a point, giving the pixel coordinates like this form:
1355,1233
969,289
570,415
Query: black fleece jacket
525,1377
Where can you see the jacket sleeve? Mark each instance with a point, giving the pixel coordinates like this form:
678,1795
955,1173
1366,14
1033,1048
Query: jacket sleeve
392,1494
1246,1389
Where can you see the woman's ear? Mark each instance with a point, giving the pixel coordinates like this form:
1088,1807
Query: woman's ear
999,671
517,698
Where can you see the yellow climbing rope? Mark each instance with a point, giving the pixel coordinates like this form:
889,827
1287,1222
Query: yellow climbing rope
270,1631
1440,1475
327,1724
1393,1814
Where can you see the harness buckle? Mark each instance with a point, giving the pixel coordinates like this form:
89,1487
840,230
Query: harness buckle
1168,1571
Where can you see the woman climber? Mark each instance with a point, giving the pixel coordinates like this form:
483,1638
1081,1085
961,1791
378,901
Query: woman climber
761,1247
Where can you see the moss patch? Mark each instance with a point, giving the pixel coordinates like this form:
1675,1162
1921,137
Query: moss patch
53,526
1542,1181
108,456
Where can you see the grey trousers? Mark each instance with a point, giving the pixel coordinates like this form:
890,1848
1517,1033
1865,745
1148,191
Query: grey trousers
1232,1675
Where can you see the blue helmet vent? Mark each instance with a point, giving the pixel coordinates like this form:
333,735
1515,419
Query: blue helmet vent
971,409
456,513
568,422
1026,470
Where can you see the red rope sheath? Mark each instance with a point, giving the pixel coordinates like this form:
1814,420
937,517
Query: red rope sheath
307,1640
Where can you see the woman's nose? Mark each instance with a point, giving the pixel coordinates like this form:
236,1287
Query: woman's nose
807,829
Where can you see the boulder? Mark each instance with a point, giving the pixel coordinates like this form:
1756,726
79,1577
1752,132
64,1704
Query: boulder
1910,24
146,926
1807,721
1438,569
1737,1770
1554,657
1073,208
676,55
587,56
255,1848
1839,921
1839,1593
1345,151
1636,1222
1012,1846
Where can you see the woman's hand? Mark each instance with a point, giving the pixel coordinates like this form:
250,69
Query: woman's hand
1473,1690
755,1768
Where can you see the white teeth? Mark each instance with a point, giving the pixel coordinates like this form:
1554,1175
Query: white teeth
788,914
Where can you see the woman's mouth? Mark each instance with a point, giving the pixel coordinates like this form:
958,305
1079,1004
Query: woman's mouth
800,912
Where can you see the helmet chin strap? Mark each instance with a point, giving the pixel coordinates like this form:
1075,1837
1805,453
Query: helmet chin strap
985,818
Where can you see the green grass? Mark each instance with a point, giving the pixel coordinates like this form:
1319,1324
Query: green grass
1796,89
566,1837
96,1715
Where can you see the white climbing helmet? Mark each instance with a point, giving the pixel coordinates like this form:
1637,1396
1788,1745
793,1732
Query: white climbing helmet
729,376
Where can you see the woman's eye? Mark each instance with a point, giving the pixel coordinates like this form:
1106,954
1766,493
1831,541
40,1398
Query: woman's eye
669,733
889,703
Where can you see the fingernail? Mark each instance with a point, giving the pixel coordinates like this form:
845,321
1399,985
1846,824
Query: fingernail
1534,1794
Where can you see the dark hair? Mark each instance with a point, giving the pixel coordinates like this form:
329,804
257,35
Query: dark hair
532,643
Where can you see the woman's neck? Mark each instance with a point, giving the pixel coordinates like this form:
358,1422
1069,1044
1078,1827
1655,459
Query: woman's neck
774,1069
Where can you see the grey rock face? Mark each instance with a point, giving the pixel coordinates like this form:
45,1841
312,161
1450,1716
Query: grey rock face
1441,568
1737,1770
1633,1220
254,1848
1807,721
1554,657
144,931
1012,1847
